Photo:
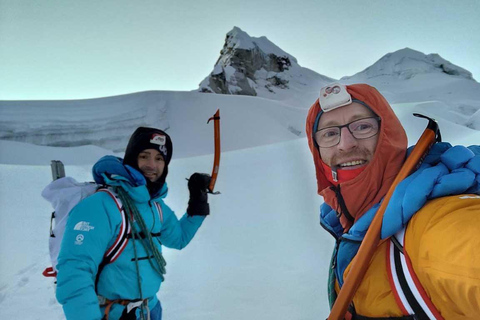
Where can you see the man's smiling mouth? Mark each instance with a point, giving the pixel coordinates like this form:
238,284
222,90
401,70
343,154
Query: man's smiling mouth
351,163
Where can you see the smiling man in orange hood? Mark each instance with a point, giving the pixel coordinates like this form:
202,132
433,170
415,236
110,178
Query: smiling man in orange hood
358,147
358,193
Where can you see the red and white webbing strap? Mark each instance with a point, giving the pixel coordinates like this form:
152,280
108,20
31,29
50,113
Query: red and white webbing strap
408,291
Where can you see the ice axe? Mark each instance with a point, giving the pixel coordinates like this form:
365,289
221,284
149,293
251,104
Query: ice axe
372,238
216,160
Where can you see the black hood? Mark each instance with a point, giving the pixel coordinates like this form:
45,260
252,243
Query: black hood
149,138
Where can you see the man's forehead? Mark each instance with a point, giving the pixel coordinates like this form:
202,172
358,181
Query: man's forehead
150,151
345,114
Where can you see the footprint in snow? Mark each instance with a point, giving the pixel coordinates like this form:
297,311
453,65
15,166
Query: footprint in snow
23,281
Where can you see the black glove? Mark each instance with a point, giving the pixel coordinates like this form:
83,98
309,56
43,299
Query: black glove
198,187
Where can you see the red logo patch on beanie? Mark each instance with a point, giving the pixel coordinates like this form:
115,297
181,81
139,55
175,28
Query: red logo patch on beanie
158,139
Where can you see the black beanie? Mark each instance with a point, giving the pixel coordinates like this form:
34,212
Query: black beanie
149,138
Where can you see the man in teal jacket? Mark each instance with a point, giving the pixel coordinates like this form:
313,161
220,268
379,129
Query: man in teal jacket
126,287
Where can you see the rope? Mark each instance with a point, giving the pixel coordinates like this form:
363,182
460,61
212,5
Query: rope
147,243
161,263
149,246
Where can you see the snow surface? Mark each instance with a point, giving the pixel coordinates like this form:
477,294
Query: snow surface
255,256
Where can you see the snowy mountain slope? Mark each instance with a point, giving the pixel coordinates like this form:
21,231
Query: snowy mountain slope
108,122
257,67
101,122
410,76
407,63
465,112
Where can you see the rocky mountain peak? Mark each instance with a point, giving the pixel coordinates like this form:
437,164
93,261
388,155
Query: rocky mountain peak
253,66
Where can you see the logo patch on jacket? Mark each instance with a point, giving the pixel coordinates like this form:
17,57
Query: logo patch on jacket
83,226
79,239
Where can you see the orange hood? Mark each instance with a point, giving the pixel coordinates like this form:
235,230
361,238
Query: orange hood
370,186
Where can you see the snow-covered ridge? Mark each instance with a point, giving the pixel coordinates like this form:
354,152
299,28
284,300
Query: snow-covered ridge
103,122
107,123
407,63
410,76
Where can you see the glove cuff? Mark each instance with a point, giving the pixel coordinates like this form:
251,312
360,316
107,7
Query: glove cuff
196,208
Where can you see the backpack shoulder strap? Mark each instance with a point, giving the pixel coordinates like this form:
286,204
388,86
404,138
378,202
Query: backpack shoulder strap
121,241
409,293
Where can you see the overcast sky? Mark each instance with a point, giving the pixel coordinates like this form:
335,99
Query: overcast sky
71,49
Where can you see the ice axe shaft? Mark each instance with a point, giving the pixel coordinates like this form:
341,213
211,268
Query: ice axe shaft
216,160
372,238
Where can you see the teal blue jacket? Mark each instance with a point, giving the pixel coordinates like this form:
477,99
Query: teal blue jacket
82,250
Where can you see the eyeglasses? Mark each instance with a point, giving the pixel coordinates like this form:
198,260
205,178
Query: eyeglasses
360,129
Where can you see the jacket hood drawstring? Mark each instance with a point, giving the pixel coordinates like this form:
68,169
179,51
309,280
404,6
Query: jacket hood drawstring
342,210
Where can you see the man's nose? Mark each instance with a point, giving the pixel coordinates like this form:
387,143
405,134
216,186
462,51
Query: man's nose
150,163
347,140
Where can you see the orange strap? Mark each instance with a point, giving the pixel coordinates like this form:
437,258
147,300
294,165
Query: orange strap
110,303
